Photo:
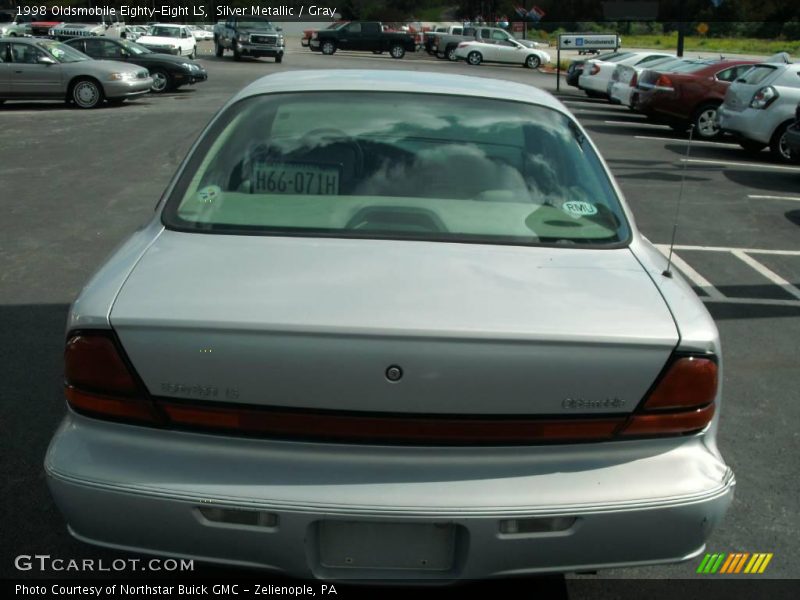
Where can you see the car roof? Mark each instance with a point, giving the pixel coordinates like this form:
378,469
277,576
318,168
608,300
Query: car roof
422,82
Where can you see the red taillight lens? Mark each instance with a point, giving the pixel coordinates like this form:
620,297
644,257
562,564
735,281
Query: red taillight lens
634,80
435,429
664,83
98,380
595,69
690,382
681,402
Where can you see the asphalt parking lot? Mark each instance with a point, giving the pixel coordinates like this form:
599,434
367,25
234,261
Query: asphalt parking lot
76,183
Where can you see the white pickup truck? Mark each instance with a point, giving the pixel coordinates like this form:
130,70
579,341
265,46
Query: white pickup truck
170,39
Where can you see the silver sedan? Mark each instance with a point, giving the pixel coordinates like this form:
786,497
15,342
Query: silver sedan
39,69
392,324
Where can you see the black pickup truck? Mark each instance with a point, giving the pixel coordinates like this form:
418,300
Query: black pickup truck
367,36
249,36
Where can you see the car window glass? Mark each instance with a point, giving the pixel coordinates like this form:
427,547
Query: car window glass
758,74
499,35
649,59
442,168
457,31
93,48
111,50
486,34
354,28
25,54
727,74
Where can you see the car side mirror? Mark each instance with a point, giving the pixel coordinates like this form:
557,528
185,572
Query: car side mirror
46,60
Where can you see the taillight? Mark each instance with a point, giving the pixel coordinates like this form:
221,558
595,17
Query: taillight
98,380
682,400
664,83
634,80
764,97
595,69
463,44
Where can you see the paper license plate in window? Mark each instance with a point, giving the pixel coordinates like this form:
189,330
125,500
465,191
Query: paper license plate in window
407,546
286,178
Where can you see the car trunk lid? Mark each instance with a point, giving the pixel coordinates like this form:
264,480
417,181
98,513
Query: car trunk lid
307,323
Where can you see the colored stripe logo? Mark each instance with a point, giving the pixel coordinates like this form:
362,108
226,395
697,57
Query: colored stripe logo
735,563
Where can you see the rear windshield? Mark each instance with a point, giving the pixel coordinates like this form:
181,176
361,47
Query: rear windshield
757,74
398,165
166,32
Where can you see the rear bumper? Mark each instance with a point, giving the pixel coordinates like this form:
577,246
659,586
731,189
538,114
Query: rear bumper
593,84
749,124
141,490
620,92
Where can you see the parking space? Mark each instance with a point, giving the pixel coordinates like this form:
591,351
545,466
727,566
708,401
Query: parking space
77,183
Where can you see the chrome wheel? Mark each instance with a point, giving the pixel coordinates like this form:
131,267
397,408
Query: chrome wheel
160,81
474,58
397,52
705,123
328,48
86,94
533,62
451,54
783,148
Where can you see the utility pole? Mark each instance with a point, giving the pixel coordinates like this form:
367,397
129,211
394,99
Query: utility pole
681,27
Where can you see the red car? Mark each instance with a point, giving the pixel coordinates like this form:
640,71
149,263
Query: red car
689,93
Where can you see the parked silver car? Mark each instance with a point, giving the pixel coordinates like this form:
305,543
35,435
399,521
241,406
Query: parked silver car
760,106
38,69
392,324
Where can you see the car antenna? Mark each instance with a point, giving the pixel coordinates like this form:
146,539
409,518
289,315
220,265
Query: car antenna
668,272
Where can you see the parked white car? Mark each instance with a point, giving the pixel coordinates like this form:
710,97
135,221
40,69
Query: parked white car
625,78
501,51
760,106
170,39
597,73
201,34
134,32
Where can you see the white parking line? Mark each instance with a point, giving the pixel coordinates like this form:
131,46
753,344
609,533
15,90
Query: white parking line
768,273
732,163
787,198
684,141
691,274
729,249
635,124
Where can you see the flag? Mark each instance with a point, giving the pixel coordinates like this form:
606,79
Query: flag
535,14
522,12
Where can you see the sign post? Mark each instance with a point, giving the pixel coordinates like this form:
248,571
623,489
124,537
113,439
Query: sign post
583,41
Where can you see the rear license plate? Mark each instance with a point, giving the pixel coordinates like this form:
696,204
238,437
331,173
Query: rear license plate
406,546
285,178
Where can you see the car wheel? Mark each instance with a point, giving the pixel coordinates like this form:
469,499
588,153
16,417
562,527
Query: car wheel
779,145
705,122
193,53
474,58
236,54
533,62
218,49
162,81
279,58
86,93
328,48
397,51
451,54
